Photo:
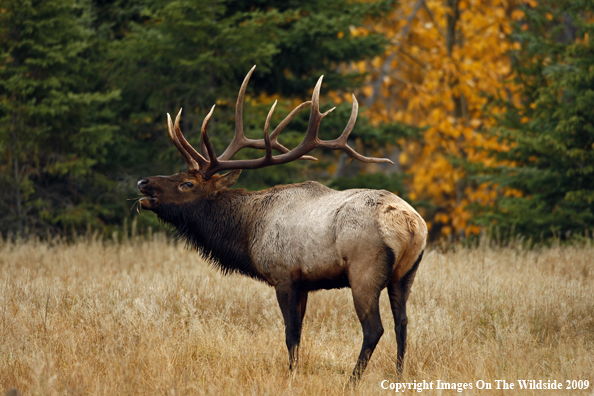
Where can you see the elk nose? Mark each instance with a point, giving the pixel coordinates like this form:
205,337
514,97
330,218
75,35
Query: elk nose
142,183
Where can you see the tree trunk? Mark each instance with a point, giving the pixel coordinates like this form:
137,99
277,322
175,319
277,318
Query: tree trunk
15,146
452,20
16,173
460,110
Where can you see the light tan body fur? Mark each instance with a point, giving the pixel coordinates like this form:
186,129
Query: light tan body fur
318,233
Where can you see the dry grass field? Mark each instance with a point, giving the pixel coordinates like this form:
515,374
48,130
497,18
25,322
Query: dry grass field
151,318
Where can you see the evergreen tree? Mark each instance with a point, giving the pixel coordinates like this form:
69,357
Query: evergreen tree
53,117
316,38
548,186
193,54
85,86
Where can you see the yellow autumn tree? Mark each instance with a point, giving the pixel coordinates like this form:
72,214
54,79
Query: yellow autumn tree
446,61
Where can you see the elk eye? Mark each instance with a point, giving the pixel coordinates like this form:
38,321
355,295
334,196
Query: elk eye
187,185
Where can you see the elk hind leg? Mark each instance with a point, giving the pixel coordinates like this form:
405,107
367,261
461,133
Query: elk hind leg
292,302
398,291
366,300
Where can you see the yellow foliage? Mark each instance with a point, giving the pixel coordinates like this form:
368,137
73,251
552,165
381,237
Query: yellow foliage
367,90
403,159
518,15
444,90
442,218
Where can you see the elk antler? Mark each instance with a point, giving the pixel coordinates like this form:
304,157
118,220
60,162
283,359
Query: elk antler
208,163
194,160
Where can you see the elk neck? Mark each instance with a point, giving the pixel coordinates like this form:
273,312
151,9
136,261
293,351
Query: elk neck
218,227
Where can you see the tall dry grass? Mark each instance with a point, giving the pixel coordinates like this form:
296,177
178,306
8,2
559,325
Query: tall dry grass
151,318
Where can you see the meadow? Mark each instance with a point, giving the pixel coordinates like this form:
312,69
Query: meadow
146,316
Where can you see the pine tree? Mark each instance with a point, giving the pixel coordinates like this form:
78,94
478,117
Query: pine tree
547,188
75,72
194,54
53,119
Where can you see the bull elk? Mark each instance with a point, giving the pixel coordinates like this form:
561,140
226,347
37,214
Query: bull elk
297,238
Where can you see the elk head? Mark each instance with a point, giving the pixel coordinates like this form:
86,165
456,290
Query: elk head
182,188
201,180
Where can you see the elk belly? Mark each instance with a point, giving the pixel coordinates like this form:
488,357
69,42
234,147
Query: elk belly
329,277
292,248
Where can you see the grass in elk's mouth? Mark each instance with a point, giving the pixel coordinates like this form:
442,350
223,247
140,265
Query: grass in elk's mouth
150,317
136,205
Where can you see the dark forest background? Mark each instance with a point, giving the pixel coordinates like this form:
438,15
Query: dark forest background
85,86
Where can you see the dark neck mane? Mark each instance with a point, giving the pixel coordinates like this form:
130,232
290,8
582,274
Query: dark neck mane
218,228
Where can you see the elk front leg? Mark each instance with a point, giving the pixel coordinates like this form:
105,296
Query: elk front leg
292,302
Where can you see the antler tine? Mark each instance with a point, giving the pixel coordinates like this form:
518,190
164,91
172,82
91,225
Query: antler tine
340,143
315,116
180,143
288,119
202,162
310,141
203,148
352,119
205,140
274,135
239,104
239,139
267,139
192,164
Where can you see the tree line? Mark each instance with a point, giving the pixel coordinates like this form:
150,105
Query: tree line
484,106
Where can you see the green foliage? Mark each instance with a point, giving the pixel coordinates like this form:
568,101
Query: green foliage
85,86
54,117
194,54
315,38
552,132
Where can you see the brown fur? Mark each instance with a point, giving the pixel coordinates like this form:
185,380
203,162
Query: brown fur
299,238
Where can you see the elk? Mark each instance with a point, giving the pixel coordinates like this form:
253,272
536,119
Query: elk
297,238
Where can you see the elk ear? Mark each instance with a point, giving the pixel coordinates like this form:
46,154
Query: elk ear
228,179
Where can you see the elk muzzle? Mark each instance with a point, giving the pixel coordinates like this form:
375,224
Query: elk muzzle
149,201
